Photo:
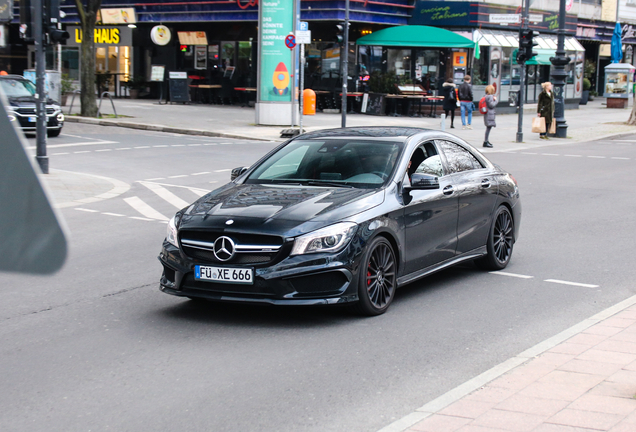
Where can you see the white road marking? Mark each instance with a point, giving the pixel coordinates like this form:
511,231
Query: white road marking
520,276
194,145
104,150
86,210
59,154
141,218
113,214
597,157
163,145
528,153
549,154
123,148
158,178
222,170
573,155
143,208
166,194
177,176
197,191
177,145
83,151
142,147
201,173
77,144
621,158
570,283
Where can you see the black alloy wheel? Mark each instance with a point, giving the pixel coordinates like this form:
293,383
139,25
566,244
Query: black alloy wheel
378,279
500,241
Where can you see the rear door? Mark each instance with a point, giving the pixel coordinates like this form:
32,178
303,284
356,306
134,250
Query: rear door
476,189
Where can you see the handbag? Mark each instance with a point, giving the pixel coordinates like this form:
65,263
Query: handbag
538,125
458,102
552,128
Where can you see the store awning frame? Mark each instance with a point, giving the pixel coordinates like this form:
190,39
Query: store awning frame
416,36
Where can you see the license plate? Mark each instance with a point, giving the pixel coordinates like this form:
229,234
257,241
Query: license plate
224,274
32,119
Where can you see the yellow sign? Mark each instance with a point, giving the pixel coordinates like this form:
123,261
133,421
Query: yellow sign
102,36
459,59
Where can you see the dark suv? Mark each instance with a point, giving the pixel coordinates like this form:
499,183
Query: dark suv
20,93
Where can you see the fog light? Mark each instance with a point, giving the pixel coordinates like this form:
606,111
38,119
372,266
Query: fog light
60,117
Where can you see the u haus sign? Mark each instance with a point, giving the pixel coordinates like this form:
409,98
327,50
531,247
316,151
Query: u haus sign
103,36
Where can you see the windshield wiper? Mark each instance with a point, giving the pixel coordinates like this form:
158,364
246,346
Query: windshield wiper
327,183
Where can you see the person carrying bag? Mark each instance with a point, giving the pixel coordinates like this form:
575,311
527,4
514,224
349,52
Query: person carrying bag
545,110
449,92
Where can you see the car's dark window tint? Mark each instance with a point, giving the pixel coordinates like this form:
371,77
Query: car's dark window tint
459,159
432,163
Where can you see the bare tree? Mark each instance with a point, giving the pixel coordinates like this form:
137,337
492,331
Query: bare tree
87,11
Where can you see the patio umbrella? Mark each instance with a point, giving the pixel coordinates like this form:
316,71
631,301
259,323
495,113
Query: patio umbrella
617,44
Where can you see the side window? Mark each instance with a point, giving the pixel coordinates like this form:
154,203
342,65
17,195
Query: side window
459,159
425,160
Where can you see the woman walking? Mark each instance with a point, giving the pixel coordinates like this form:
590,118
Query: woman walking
489,117
545,107
450,99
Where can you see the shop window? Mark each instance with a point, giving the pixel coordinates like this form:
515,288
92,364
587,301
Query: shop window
70,62
228,50
427,68
399,62
370,59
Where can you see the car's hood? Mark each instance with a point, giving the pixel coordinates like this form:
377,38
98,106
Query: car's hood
277,209
27,102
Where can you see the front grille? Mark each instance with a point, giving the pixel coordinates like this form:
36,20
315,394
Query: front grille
251,249
31,111
322,283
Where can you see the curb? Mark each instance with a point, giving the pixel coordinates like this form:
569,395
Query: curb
159,128
441,402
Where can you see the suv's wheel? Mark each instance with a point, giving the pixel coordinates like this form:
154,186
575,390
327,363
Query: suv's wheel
500,241
378,279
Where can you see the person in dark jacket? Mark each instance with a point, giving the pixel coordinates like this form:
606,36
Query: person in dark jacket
489,117
450,99
545,107
465,91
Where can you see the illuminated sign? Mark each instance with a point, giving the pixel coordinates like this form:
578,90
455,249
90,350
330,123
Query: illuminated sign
103,36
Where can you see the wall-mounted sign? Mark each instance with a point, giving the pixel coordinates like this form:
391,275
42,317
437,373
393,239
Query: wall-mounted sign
157,73
6,10
504,18
160,35
459,59
103,36
3,35
117,16
192,38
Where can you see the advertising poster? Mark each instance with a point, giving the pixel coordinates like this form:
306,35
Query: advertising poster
276,59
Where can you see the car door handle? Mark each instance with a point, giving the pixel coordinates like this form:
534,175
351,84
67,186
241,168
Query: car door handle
448,190
485,183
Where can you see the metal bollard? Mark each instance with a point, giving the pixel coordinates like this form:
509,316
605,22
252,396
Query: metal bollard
443,117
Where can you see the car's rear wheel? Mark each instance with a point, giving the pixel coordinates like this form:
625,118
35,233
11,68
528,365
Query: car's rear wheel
378,279
500,241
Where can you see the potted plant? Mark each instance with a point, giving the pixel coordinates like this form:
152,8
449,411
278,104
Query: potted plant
66,87
585,95
135,85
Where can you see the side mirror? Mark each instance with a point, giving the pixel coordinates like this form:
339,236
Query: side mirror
237,172
424,181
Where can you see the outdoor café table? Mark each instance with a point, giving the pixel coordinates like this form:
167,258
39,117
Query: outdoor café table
434,100
409,99
350,108
245,91
211,90
395,98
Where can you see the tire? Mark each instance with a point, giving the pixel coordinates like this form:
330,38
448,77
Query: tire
53,133
377,278
500,241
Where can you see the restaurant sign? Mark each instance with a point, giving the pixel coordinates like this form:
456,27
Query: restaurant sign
103,36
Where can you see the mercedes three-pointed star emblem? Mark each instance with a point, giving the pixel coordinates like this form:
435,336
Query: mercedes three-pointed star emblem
224,248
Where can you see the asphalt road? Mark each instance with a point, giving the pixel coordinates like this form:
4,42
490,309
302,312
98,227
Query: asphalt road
98,347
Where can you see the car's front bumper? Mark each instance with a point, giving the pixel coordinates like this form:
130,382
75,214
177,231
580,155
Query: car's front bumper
299,280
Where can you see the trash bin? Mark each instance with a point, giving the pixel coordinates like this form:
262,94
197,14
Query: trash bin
309,102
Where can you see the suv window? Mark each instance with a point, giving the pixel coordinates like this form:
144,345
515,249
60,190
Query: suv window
459,159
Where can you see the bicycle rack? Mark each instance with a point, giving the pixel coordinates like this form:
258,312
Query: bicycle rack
75,92
111,102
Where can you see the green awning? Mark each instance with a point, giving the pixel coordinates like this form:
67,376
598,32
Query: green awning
416,36
542,57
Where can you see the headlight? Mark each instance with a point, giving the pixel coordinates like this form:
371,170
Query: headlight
329,239
12,117
60,117
171,233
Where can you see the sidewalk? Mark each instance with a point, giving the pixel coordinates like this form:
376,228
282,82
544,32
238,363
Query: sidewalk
590,122
581,380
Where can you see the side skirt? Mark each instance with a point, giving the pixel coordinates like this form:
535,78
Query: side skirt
467,256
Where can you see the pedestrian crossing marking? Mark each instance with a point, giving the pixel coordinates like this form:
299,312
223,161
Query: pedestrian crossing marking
166,194
143,208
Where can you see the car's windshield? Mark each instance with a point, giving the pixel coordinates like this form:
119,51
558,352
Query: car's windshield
17,88
365,163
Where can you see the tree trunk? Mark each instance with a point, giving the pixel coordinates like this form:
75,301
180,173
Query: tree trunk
88,18
632,117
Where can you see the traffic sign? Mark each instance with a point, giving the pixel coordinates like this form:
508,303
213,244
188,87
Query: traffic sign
504,18
303,25
303,37
290,41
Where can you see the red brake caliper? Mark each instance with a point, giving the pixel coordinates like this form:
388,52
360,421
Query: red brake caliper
368,278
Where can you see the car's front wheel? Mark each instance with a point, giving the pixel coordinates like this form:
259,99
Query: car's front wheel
500,241
378,279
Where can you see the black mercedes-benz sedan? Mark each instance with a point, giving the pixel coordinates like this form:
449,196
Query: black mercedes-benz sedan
343,216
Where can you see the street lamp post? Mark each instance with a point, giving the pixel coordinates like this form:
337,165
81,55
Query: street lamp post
558,76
